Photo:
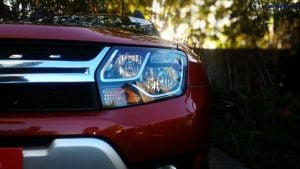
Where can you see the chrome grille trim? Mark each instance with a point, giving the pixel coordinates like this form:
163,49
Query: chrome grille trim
55,76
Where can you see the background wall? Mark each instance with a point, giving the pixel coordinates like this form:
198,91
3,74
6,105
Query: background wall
252,70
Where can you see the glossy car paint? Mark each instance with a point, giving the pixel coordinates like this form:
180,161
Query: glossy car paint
110,36
148,132
11,158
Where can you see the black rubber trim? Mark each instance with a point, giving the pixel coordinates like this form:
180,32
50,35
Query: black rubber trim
42,49
180,162
41,97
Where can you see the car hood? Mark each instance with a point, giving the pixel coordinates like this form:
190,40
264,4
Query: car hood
100,35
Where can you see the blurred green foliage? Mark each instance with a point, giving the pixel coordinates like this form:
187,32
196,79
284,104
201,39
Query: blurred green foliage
210,24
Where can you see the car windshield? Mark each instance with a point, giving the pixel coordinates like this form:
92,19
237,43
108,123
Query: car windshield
46,16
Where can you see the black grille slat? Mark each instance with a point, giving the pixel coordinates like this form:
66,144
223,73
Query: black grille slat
49,97
41,50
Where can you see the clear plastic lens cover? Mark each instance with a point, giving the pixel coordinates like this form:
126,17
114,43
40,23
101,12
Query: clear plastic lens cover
124,65
131,75
159,79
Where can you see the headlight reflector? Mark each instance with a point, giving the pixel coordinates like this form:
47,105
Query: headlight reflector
131,75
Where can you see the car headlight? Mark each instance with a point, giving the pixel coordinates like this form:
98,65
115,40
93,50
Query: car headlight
136,75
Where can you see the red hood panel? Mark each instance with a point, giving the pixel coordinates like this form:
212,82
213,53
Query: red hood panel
18,31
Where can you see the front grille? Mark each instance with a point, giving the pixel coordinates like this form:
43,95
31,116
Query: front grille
48,50
49,97
30,80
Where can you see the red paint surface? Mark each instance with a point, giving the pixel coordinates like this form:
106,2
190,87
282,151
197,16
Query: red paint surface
196,71
146,132
11,158
197,75
41,32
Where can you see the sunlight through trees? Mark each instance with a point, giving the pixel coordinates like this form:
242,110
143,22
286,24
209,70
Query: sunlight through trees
208,24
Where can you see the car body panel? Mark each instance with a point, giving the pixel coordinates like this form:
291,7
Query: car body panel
146,132
68,33
142,133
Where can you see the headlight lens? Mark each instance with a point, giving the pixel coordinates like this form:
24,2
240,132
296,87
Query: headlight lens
135,75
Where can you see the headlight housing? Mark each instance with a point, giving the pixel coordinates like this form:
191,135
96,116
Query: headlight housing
136,75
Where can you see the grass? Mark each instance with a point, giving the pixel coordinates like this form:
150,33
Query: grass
260,129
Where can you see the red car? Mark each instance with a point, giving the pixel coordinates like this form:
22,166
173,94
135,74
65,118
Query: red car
98,97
